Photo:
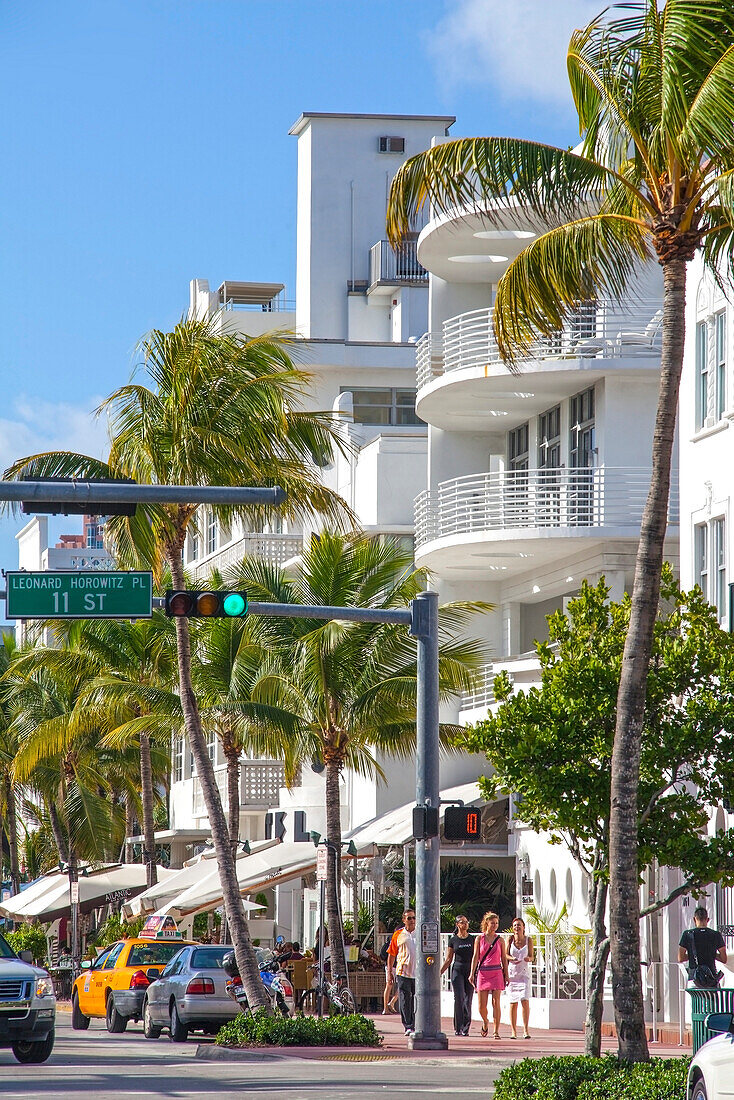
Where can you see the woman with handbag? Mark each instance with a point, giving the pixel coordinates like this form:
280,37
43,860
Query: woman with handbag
489,971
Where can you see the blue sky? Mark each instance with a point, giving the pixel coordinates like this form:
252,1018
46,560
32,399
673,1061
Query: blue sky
145,143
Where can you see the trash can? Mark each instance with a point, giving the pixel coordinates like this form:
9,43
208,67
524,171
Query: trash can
704,1001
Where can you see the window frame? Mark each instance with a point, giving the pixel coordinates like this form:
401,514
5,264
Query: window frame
394,406
702,374
720,365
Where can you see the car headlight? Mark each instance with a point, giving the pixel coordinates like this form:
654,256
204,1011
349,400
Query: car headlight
44,987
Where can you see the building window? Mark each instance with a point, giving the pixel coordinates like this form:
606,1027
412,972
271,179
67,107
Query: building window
211,532
518,447
211,745
549,439
718,532
194,544
720,329
383,406
583,429
178,759
702,374
700,550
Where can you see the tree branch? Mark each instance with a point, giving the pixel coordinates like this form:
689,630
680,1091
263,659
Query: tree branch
651,804
684,888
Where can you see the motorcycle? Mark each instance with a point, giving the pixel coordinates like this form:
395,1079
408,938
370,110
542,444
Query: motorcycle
277,985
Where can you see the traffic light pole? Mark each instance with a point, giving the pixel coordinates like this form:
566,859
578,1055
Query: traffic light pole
100,496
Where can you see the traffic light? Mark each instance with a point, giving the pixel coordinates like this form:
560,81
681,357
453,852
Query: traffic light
205,605
462,823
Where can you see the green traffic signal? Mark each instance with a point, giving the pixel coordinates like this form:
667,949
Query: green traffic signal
205,605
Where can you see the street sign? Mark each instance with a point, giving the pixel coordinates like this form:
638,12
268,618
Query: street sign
322,857
75,893
79,594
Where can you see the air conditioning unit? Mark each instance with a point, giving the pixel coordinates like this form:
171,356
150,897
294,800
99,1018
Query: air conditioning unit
391,144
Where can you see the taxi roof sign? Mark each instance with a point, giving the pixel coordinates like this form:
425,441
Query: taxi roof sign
160,927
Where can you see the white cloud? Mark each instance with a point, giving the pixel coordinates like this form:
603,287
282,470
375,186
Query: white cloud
32,425
517,47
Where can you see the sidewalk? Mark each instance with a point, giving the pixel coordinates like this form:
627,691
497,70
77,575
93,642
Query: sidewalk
473,1046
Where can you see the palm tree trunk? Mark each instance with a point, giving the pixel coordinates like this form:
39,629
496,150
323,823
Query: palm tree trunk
146,794
597,967
234,910
334,837
61,845
624,907
232,756
10,810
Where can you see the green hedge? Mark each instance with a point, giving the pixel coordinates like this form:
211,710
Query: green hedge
583,1078
261,1029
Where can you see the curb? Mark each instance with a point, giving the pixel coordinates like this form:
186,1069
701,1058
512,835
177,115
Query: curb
209,1053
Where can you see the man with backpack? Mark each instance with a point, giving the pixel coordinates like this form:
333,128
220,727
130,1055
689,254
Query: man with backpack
701,947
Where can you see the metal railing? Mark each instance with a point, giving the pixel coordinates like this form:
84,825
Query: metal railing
277,305
260,783
274,548
482,694
601,329
520,499
399,266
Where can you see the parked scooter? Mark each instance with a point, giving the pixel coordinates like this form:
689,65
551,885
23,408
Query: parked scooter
277,984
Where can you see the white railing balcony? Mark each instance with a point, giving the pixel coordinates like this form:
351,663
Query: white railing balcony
600,329
482,694
274,548
260,783
589,497
396,266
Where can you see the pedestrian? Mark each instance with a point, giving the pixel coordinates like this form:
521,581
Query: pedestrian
701,947
459,957
390,993
520,953
405,972
489,971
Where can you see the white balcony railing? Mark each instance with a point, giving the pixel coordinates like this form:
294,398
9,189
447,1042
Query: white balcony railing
482,694
396,266
273,548
592,497
260,783
602,329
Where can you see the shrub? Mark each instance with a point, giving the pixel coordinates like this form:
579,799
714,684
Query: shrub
260,1029
29,937
584,1078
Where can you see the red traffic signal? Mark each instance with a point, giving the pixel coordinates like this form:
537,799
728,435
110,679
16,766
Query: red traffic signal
205,605
462,823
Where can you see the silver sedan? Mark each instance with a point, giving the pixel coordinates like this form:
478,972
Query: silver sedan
190,995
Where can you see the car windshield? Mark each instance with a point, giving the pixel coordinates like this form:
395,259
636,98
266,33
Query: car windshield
155,953
209,958
6,951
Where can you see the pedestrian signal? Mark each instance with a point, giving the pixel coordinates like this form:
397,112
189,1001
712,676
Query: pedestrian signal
462,823
205,605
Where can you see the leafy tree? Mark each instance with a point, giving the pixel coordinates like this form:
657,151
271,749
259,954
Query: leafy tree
350,686
553,746
464,888
223,410
654,92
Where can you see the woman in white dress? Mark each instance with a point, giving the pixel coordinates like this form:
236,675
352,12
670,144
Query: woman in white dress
520,953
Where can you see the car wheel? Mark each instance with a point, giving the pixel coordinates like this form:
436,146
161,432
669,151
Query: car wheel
32,1053
179,1031
150,1030
79,1021
699,1091
116,1023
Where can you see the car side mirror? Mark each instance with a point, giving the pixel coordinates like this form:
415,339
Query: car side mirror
26,956
720,1022
152,973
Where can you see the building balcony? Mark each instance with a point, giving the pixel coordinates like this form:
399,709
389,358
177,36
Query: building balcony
462,380
260,783
507,522
273,547
391,268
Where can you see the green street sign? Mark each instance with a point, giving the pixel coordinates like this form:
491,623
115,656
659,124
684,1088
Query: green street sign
79,594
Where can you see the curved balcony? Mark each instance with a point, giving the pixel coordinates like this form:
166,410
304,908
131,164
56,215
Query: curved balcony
485,513
460,373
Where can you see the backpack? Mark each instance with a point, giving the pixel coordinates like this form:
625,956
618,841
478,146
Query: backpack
384,951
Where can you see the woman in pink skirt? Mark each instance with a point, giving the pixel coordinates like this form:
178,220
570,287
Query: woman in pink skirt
489,970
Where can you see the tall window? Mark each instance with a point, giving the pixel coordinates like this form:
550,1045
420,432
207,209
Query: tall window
701,554
549,439
718,532
583,429
178,759
702,374
517,447
211,745
194,540
211,532
720,364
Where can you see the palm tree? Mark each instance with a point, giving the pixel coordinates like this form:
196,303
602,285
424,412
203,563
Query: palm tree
132,701
8,749
223,410
351,687
654,92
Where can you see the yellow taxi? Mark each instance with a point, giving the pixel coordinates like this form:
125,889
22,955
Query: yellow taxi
113,986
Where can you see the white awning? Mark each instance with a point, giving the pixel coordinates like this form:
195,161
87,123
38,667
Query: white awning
48,898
